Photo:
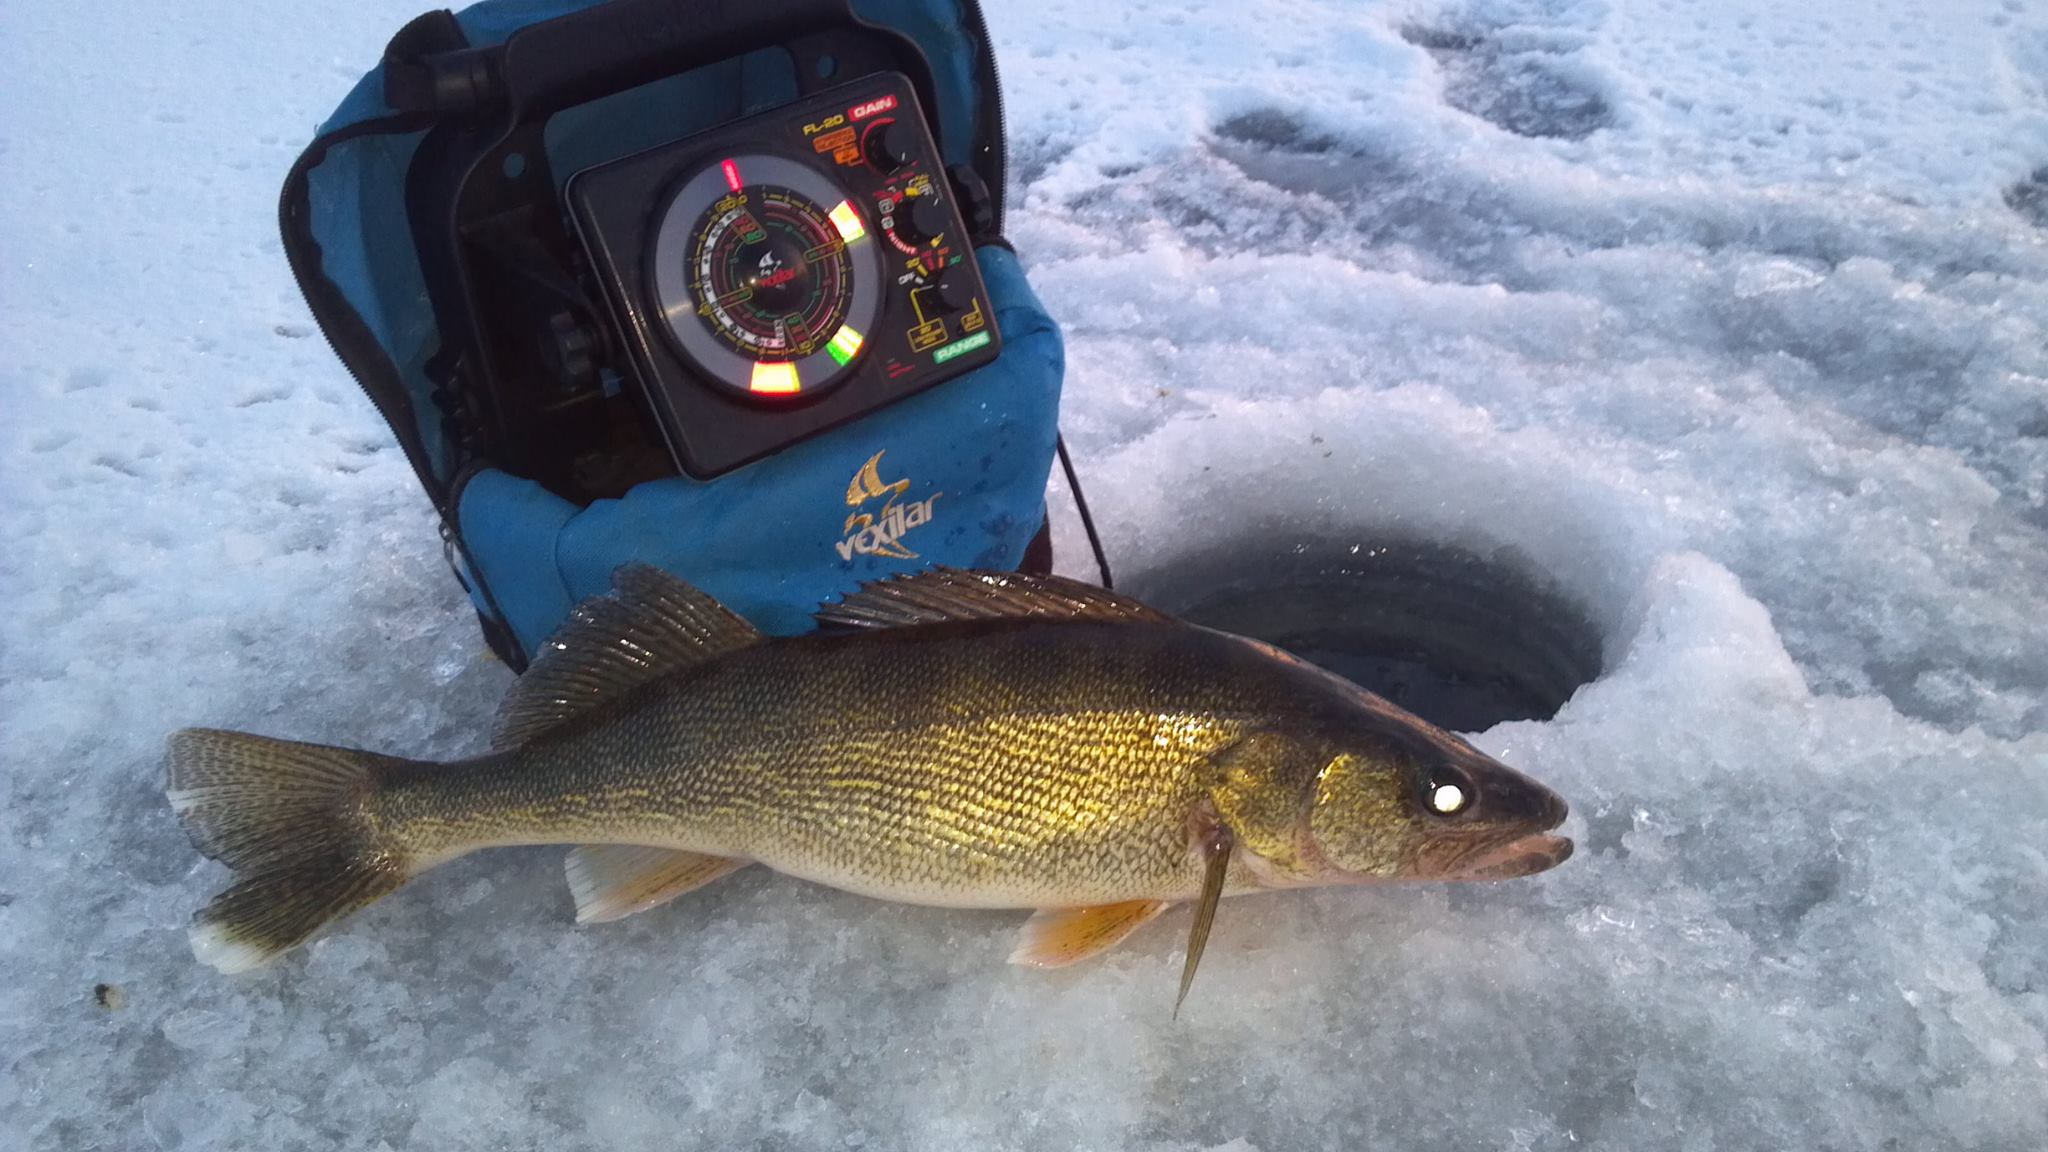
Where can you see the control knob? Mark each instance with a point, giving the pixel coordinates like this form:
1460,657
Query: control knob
955,291
891,144
925,220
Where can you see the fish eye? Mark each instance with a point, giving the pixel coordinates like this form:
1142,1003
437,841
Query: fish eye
1447,798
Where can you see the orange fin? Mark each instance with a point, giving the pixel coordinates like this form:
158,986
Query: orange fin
1057,937
611,881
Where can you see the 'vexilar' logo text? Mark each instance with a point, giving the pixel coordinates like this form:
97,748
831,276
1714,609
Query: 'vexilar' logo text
872,531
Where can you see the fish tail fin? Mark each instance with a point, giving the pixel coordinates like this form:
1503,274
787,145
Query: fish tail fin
294,822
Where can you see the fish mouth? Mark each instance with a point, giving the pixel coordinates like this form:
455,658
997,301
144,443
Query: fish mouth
1525,847
1522,856
1532,851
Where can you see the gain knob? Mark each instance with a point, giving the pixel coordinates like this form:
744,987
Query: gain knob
890,145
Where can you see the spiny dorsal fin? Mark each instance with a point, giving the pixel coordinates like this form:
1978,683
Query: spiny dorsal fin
613,881
652,625
944,594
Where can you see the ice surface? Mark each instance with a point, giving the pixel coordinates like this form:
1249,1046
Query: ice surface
1730,317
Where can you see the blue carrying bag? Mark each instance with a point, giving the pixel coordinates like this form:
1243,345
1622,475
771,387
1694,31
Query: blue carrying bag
954,475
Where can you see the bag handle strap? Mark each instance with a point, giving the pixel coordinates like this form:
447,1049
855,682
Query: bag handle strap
594,52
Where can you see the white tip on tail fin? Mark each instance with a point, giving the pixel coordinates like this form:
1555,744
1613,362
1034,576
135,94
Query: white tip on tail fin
216,947
290,820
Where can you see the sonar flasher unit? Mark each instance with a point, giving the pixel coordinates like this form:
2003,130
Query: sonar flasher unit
719,286
786,273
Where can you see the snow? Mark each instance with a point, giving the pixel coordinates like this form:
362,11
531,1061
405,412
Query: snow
1727,318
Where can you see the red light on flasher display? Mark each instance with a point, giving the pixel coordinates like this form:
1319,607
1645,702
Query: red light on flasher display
732,174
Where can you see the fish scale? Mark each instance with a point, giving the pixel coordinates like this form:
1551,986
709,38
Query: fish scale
954,738
929,783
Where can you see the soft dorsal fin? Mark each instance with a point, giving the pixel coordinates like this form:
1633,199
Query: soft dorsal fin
650,626
944,594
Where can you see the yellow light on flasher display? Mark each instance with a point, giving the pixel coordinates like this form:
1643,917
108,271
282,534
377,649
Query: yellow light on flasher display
848,222
779,377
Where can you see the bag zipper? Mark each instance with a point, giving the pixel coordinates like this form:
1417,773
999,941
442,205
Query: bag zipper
977,24
330,308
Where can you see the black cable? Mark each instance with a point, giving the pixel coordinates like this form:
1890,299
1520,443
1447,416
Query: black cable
1081,506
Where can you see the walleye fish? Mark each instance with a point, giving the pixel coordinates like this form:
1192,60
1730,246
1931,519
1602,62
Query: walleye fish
953,738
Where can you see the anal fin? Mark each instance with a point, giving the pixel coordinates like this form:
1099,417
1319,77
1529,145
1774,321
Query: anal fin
611,881
1057,937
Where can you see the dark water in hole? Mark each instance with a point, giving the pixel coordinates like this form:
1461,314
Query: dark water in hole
1462,639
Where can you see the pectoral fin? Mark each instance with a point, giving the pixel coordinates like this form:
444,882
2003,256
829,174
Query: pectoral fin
1217,846
1057,937
611,881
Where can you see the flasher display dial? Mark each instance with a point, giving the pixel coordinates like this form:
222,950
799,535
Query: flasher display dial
766,277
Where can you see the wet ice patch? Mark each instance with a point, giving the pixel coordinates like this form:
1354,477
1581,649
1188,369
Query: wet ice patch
1517,70
2029,197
